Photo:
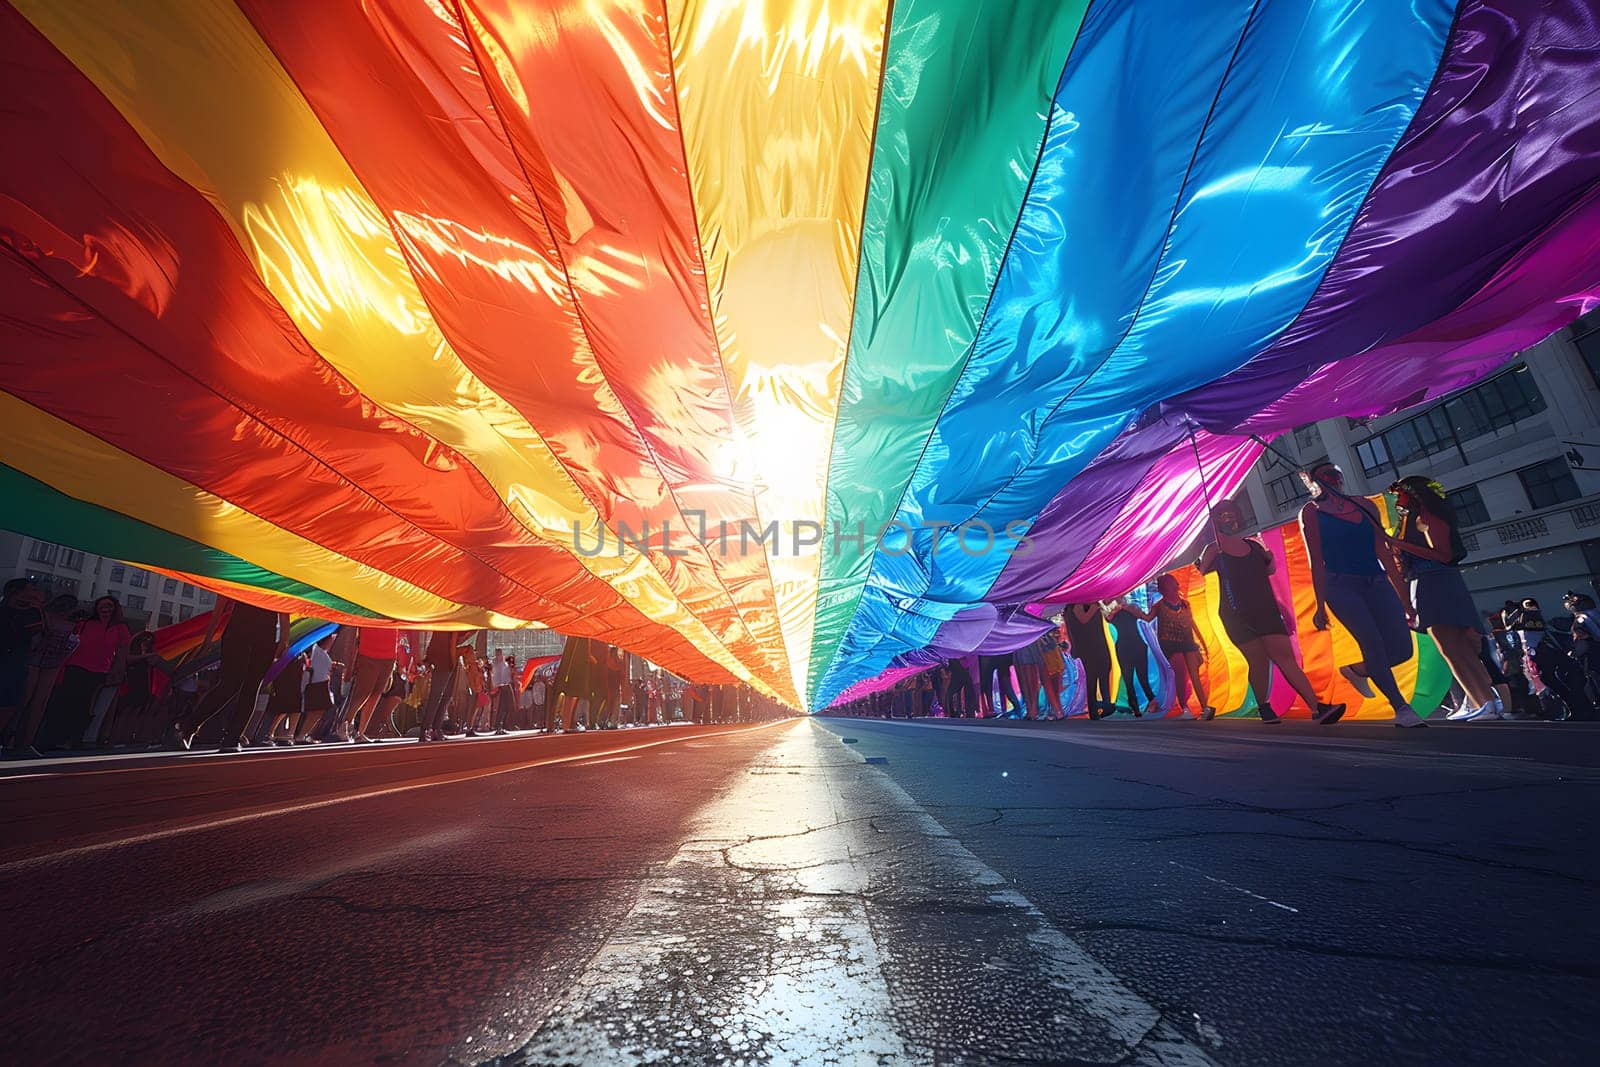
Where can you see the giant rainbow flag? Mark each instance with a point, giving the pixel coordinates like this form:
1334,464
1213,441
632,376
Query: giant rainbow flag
774,340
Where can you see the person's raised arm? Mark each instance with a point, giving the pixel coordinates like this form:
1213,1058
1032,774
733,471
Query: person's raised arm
1437,532
1208,558
1312,535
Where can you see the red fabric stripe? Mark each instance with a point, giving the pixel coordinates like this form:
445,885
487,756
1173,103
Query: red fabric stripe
402,98
133,311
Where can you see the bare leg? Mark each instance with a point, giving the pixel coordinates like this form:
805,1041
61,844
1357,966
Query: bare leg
1258,668
1180,679
1280,650
1192,661
1459,647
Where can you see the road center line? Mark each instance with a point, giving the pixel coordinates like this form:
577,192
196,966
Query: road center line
1235,888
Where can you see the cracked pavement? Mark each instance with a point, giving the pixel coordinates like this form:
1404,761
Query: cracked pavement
1114,893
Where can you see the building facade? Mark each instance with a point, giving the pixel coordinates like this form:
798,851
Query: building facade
1518,452
148,599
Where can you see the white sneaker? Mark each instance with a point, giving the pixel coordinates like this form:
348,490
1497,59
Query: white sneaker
1465,711
1404,716
1362,684
1483,713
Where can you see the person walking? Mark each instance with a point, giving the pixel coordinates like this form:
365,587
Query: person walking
1429,551
252,640
1353,575
1052,669
1029,660
1251,616
316,702
1133,654
285,704
99,660
22,621
376,648
440,659
1086,640
500,678
51,647
1182,644
988,667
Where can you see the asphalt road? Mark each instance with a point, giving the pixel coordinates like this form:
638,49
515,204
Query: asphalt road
1143,893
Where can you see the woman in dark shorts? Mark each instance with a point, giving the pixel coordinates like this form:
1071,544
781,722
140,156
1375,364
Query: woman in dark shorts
1428,551
1181,643
1250,613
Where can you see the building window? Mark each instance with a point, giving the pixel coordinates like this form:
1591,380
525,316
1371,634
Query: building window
1374,456
207,599
54,584
139,579
1549,483
1287,491
43,552
1307,437
1588,346
1496,404
118,573
169,587
71,560
136,603
188,591
185,612
1468,502
165,618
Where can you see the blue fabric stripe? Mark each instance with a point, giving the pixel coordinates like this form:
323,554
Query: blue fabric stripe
1198,176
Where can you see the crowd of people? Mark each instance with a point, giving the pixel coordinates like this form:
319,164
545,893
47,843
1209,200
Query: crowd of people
72,680
1379,585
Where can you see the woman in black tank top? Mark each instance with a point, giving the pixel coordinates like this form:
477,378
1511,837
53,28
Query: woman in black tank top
1250,613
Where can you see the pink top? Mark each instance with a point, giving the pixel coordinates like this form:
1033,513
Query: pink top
97,645
377,643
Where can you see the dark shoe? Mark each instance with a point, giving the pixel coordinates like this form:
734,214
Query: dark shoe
228,747
501,733
1209,714
175,741
26,752
1328,714
1267,714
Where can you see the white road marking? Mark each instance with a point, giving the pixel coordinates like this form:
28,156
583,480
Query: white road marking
1235,888
772,935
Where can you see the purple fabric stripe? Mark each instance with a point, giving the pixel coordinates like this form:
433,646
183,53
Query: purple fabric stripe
1507,139
1516,106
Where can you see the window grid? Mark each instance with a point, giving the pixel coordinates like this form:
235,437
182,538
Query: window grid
1549,483
1469,506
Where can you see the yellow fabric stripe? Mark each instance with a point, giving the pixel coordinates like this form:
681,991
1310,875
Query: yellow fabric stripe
81,465
777,101
211,100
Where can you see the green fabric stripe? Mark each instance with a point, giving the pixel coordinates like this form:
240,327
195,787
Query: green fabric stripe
967,87
1433,677
37,510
